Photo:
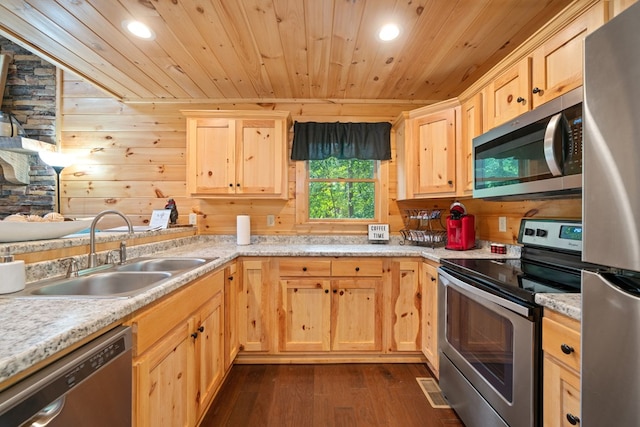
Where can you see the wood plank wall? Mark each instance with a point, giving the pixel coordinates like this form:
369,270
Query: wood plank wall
132,157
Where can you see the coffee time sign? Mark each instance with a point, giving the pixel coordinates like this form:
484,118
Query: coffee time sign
379,232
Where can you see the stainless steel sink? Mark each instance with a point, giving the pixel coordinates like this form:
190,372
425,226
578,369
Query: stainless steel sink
115,281
162,264
107,284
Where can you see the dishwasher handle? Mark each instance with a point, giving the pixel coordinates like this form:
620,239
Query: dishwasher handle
47,414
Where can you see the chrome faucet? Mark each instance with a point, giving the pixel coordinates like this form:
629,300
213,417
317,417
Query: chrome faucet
93,257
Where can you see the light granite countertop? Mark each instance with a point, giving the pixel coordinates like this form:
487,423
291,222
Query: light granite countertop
34,329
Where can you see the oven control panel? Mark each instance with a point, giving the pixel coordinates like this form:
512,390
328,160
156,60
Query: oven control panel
551,233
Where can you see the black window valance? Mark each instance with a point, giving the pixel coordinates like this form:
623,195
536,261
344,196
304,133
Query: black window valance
318,141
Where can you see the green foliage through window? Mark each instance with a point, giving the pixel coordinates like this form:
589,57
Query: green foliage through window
342,189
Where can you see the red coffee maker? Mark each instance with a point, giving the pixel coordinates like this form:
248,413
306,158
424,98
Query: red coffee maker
461,233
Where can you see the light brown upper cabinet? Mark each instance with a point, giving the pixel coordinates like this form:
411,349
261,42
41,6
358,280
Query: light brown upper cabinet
546,72
557,64
471,127
508,96
237,154
426,150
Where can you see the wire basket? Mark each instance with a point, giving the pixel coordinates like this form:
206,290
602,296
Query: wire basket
424,227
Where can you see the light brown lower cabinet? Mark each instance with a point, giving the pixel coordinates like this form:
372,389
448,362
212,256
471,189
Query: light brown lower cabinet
232,291
430,315
349,305
561,388
406,305
340,309
255,330
178,360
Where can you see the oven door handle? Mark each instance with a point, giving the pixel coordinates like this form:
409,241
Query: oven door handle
502,302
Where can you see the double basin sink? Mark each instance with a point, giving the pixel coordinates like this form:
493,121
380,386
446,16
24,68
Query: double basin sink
117,281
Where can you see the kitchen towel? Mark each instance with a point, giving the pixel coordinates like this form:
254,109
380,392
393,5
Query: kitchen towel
243,229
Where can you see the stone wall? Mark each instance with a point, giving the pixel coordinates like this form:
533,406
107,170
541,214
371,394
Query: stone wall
37,198
30,95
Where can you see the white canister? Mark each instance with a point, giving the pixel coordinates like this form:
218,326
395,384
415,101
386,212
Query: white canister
243,225
13,275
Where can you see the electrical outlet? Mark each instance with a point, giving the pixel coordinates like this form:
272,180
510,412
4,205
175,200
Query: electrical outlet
502,224
271,220
193,219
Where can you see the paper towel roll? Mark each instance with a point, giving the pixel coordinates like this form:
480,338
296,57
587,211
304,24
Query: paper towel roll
244,229
13,277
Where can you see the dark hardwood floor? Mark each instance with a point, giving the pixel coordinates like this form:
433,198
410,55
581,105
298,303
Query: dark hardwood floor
366,395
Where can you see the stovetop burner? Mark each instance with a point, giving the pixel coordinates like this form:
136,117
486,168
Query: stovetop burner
515,277
550,262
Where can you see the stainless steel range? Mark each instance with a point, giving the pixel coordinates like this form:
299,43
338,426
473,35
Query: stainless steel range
490,326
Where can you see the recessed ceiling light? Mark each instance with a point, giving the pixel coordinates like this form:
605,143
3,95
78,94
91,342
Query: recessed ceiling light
389,32
139,29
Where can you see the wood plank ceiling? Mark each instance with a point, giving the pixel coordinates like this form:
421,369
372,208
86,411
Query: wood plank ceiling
267,50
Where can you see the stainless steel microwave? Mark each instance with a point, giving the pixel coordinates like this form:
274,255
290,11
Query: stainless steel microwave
536,155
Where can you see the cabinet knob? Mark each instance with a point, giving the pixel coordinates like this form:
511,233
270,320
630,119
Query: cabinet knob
326,291
238,185
201,328
520,100
231,185
536,90
433,279
573,420
357,268
194,335
566,349
450,182
230,278
335,291
304,268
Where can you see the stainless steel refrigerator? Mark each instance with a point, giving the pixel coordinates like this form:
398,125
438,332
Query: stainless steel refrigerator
610,375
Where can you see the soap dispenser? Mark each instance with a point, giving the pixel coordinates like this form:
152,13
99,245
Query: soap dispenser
12,273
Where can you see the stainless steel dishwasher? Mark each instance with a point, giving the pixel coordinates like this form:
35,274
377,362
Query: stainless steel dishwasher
91,386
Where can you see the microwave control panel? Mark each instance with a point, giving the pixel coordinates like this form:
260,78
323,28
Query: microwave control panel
573,148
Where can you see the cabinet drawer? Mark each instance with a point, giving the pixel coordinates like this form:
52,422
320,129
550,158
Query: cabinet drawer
154,322
357,267
305,267
558,340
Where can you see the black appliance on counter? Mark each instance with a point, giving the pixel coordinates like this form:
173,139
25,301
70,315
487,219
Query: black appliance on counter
490,325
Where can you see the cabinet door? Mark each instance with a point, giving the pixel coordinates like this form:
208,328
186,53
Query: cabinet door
406,306
209,339
471,127
255,308
262,154
557,64
232,290
430,316
435,142
305,315
164,377
508,96
212,156
561,391
561,383
356,314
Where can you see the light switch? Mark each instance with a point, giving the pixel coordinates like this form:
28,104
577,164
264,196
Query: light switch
502,224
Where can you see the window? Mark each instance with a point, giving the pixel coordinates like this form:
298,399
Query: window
341,173
342,189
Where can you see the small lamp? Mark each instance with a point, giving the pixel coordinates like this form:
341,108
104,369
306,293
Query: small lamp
57,161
